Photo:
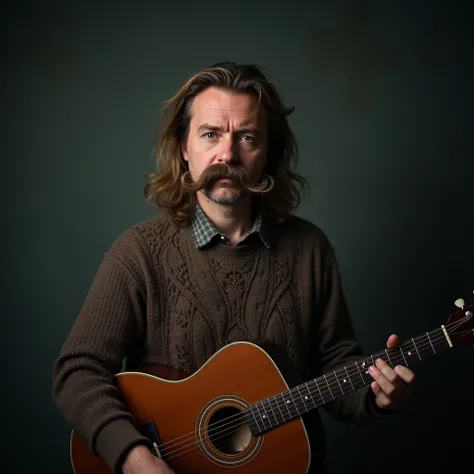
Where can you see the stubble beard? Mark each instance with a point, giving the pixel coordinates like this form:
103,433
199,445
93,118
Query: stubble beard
225,200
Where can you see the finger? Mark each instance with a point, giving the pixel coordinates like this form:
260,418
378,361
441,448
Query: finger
405,374
381,399
386,370
392,341
375,388
385,385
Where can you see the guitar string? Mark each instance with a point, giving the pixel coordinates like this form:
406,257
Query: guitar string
222,423
225,421
179,453
192,448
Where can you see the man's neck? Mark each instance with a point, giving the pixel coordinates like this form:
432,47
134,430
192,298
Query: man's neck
233,220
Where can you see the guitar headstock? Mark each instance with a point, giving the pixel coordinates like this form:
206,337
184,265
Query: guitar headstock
460,325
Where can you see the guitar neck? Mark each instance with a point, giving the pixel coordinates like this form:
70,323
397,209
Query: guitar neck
279,409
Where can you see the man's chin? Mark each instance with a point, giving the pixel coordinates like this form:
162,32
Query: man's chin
228,198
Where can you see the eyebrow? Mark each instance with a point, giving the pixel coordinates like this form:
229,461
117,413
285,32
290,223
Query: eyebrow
206,127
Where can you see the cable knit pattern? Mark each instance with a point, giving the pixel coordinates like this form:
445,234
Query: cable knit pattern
157,298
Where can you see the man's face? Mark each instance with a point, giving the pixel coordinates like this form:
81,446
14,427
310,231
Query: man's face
230,128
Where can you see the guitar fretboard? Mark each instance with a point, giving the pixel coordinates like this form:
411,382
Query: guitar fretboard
283,407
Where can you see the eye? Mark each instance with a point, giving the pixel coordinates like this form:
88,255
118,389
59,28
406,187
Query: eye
210,135
248,138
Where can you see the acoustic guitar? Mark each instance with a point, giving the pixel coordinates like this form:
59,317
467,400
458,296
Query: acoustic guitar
237,413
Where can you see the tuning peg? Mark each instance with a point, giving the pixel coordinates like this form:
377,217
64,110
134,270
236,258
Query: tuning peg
459,303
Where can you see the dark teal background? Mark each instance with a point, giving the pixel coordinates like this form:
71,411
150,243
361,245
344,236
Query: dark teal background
384,117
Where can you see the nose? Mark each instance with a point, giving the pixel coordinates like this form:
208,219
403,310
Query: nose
226,153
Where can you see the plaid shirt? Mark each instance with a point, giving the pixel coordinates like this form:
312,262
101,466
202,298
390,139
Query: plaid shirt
204,231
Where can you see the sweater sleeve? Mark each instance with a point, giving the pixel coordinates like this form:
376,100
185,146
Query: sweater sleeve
108,325
336,346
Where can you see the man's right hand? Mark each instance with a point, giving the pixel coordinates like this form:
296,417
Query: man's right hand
141,461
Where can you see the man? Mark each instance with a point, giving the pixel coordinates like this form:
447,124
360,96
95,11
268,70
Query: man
225,261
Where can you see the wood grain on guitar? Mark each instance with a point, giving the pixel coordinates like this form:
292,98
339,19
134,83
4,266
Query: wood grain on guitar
237,410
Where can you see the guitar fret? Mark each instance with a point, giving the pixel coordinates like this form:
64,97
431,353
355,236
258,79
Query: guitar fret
330,391
279,409
411,352
263,413
360,373
401,351
268,412
395,356
294,403
366,372
320,394
302,398
349,378
311,395
367,369
285,402
388,357
373,362
273,412
429,339
416,348
255,418
263,417
339,383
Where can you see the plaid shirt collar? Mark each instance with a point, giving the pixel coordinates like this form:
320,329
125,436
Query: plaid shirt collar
204,231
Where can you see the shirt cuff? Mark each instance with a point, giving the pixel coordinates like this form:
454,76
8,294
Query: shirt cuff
116,439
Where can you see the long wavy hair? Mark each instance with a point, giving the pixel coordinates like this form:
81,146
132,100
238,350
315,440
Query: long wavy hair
164,187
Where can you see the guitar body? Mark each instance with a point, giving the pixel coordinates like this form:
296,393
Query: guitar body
237,376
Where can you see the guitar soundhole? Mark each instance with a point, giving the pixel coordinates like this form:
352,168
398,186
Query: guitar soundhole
228,431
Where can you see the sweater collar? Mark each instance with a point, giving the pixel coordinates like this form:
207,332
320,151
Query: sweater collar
204,231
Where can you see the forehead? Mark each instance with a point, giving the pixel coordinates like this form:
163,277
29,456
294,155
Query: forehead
219,106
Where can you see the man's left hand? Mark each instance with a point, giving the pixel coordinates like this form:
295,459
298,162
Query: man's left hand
392,386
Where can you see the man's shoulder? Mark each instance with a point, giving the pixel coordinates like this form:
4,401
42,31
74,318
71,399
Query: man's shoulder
145,234
155,228
304,230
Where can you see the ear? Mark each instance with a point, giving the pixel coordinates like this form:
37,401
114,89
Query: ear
184,151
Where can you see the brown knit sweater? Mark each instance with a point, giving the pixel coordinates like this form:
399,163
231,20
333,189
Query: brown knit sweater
157,298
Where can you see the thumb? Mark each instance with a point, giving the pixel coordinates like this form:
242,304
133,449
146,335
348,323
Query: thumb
392,341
